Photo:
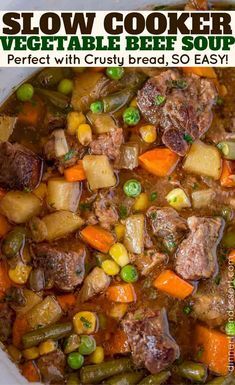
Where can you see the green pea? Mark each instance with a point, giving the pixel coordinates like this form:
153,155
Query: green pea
75,360
230,328
25,92
65,86
115,73
87,345
132,188
129,273
131,116
97,107
13,242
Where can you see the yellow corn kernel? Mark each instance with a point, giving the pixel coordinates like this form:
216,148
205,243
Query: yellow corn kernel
97,356
74,119
85,322
119,231
110,267
141,202
178,199
41,191
72,343
14,353
133,103
46,347
118,311
119,253
148,133
84,134
31,353
20,273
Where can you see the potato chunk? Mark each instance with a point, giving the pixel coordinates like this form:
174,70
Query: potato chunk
202,198
63,195
61,223
203,159
44,313
134,234
98,171
7,124
20,206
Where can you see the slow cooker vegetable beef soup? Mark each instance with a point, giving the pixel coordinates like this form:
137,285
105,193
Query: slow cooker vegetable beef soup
117,225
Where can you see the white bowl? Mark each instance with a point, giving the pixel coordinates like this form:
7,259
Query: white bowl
11,77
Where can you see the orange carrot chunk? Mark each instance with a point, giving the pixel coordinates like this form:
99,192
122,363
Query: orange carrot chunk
207,72
75,173
231,256
98,238
227,178
30,371
124,293
5,282
117,344
173,285
4,226
31,112
212,348
66,301
20,327
160,161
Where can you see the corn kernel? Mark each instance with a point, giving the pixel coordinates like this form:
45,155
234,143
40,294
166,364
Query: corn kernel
14,353
74,119
97,356
118,311
133,103
84,134
148,133
85,322
31,353
119,253
20,273
41,191
110,267
46,347
119,231
178,199
141,202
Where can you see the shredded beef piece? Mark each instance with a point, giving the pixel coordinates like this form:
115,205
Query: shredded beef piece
108,144
52,367
20,168
105,210
6,322
147,261
151,344
196,256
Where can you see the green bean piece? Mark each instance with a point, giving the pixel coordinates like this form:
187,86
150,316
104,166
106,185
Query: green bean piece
73,379
125,379
50,77
228,380
93,374
116,101
13,242
58,99
156,379
54,332
228,149
228,240
192,371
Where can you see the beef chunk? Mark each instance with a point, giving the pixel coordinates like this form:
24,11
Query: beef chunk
52,367
20,168
167,225
54,119
210,302
151,344
6,321
148,261
96,282
181,107
62,262
108,144
196,255
105,210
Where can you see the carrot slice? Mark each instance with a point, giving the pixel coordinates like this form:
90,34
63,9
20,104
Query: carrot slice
207,72
31,112
160,161
212,348
117,344
75,173
4,226
5,282
66,301
231,256
173,285
124,293
227,178
20,327
30,371
98,238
